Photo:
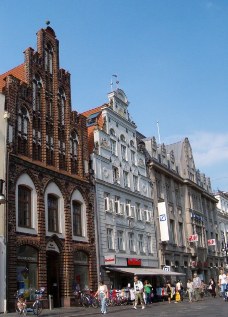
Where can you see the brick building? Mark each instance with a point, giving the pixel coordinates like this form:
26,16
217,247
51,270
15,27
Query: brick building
51,234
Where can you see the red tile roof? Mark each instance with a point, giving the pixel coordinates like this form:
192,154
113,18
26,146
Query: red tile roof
18,72
92,111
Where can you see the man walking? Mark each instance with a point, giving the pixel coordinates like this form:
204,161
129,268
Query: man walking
222,283
196,283
138,289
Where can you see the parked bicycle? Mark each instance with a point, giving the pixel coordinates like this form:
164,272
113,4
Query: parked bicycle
20,305
86,299
37,305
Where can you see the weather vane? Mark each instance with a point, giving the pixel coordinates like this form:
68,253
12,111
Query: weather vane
47,22
117,82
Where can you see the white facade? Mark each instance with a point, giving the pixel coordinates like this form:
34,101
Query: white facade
222,213
125,210
3,131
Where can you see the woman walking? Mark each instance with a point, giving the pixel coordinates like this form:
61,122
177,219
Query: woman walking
102,293
189,289
212,287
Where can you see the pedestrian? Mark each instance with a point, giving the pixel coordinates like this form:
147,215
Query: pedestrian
180,289
138,289
212,287
102,293
169,291
222,283
190,289
147,291
196,283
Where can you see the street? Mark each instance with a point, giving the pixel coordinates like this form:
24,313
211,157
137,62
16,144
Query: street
208,307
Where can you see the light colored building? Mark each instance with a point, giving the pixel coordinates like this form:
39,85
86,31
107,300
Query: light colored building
125,209
222,213
186,213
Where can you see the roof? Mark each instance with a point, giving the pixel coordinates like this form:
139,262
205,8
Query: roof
92,111
143,271
18,72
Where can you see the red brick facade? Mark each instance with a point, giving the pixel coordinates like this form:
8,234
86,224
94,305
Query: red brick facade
43,129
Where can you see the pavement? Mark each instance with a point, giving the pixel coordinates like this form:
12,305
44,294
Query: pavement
209,307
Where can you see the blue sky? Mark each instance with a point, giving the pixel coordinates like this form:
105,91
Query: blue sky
171,58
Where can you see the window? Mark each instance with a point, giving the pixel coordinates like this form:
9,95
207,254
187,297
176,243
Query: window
53,224
123,152
61,106
22,126
132,211
24,206
115,173
77,218
27,268
133,157
113,146
106,201
140,243
73,151
122,138
81,270
117,204
112,132
138,212
135,182
131,244
171,232
149,245
37,88
126,178
48,58
110,243
147,214
120,244
128,208
181,240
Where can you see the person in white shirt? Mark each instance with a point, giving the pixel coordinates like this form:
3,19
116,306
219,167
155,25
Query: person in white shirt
222,283
103,293
138,289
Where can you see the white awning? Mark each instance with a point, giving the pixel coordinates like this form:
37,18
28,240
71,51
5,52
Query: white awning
143,271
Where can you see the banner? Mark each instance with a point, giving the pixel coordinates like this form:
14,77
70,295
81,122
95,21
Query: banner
164,230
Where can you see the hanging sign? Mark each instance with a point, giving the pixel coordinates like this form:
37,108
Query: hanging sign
193,238
211,242
164,230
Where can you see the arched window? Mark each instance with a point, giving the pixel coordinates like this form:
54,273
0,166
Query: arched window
53,213
77,218
49,58
24,206
122,138
112,132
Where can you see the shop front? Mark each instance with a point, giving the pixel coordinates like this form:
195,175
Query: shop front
81,271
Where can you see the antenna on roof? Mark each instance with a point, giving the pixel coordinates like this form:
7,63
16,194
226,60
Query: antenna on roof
159,137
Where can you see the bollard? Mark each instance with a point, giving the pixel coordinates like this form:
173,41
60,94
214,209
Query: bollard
50,299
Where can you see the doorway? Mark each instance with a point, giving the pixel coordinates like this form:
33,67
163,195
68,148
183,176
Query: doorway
53,279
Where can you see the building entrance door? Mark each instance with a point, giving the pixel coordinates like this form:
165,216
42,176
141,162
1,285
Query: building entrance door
53,278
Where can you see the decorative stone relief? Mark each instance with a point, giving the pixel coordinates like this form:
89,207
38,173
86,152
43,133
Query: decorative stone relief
105,172
105,143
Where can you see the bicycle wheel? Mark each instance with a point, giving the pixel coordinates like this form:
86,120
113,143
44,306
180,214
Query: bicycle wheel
37,308
85,301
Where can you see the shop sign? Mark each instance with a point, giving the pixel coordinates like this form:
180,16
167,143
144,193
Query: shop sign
199,264
26,258
164,230
166,268
52,246
211,242
109,259
134,262
193,238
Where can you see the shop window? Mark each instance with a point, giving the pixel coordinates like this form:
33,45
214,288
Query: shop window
53,213
27,268
81,271
24,206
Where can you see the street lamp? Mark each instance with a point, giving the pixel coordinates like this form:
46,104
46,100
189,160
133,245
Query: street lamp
2,196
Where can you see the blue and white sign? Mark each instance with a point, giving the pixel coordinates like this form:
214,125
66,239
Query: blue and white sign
164,230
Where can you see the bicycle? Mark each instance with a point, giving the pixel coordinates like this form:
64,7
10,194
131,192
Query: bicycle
86,300
37,305
20,305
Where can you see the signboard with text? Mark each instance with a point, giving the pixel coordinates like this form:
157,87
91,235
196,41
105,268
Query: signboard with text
211,242
193,238
110,259
134,262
